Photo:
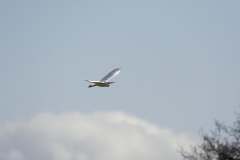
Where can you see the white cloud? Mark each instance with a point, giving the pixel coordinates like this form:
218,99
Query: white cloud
97,136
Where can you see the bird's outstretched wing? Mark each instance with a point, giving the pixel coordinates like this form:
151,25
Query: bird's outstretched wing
95,82
111,75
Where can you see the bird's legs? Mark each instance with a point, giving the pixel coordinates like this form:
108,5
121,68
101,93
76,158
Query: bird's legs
91,86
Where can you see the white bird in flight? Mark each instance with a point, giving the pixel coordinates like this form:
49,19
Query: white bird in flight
104,81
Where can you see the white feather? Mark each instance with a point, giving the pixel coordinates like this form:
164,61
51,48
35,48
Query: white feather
104,81
111,75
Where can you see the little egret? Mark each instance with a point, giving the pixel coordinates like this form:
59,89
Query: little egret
104,82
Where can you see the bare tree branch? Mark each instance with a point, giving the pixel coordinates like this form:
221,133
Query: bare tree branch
222,144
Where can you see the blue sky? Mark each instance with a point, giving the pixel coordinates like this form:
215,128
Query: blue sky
179,59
